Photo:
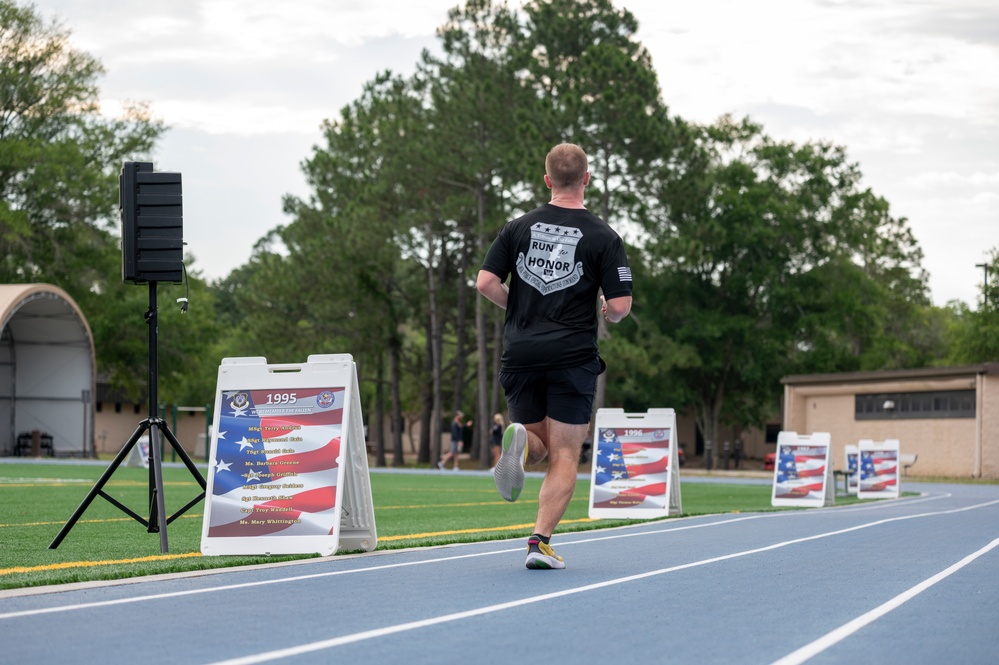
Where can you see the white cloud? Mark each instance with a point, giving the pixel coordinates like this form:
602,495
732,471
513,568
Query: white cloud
233,117
829,57
248,67
951,178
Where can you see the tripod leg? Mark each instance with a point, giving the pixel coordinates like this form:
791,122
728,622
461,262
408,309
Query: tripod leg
105,477
182,454
190,467
157,520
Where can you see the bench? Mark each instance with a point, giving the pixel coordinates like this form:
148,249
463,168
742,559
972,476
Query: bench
845,475
25,444
907,460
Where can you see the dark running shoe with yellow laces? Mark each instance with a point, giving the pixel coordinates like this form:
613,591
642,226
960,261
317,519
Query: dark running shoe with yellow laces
541,556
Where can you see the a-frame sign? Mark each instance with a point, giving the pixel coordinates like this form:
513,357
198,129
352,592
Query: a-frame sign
635,472
803,474
288,470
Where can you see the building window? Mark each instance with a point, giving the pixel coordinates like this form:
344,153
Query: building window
938,404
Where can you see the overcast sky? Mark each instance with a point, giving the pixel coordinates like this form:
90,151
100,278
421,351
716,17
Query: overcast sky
909,87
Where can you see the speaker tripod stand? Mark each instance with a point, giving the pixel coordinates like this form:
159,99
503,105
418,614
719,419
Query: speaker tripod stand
155,426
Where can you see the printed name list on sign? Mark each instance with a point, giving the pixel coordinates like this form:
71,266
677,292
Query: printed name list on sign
634,474
277,462
288,471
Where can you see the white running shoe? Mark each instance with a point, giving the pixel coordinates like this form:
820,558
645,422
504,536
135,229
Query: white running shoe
509,470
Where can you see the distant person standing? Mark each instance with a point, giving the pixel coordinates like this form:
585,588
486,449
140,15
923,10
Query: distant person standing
455,449
559,258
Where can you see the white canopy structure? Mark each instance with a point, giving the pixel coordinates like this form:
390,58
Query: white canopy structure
46,372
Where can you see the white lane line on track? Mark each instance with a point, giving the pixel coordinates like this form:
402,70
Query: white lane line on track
833,637
856,508
298,578
793,513
458,616
891,503
334,573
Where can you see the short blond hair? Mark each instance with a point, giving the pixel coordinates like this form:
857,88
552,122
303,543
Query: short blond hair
566,166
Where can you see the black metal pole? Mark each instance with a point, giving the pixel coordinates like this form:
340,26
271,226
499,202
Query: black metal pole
157,522
985,285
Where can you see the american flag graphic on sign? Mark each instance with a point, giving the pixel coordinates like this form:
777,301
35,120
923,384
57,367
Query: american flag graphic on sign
631,468
878,470
801,472
276,463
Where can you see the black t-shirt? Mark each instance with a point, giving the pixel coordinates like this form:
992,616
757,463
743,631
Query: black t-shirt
558,259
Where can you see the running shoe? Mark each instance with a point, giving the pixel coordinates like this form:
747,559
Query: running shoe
541,556
509,470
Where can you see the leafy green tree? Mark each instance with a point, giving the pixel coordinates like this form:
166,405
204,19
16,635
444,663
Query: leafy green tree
481,112
754,268
59,166
603,93
975,334
331,280
59,159
752,257
189,352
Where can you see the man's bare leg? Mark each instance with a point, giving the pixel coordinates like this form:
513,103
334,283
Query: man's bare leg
561,443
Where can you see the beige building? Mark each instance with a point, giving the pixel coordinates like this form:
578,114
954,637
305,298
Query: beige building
116,418
947,416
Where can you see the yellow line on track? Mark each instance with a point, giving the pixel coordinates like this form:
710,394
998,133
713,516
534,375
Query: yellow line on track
169,557
452,505
437,534
100,521
91,564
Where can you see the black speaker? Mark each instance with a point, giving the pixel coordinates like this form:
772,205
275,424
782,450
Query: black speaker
152,224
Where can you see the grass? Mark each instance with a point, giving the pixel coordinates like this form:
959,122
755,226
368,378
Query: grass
411,510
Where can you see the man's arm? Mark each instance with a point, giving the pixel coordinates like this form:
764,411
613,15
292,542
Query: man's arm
615,309
491,287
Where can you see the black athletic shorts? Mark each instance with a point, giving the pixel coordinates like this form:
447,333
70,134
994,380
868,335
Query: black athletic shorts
565,395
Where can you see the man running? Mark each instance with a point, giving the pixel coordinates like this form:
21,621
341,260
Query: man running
558,257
